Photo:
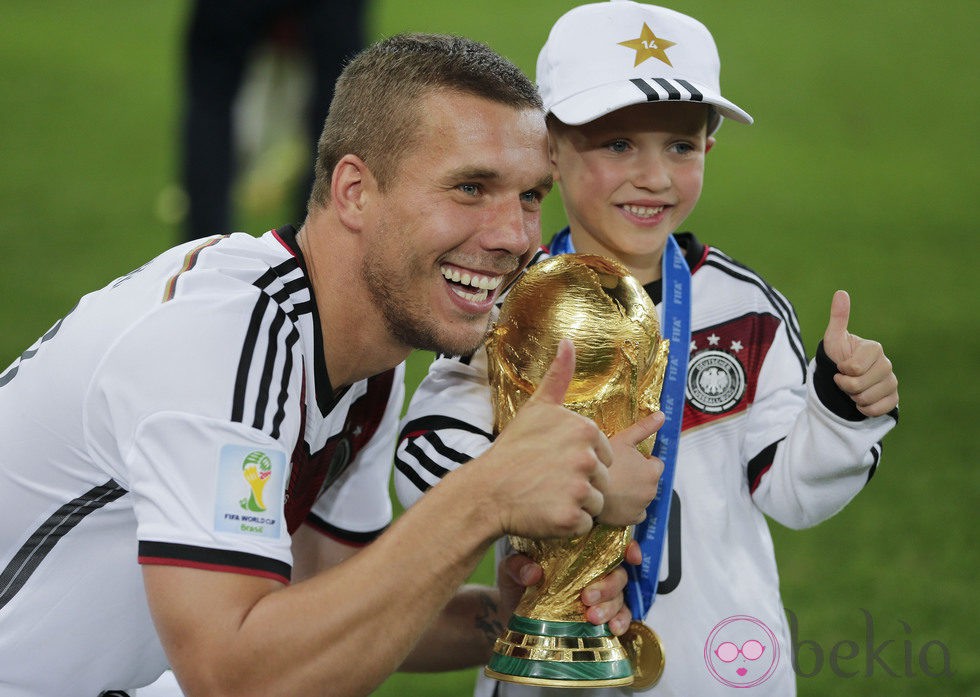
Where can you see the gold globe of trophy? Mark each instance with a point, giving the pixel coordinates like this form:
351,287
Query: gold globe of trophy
620,360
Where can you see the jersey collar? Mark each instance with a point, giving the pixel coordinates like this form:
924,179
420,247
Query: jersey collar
326,396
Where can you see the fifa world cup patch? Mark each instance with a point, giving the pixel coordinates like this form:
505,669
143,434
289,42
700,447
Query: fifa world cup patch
249,494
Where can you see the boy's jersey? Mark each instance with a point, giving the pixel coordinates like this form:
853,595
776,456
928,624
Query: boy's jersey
181,415
757,440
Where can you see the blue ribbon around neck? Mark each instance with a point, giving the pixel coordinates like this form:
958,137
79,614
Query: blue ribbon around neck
641,589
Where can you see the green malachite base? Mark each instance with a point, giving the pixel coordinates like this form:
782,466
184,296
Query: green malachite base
577,672
526,625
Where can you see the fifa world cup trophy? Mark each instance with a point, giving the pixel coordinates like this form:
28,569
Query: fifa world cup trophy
620,360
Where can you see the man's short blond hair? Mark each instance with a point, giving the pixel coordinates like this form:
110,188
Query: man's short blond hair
376,107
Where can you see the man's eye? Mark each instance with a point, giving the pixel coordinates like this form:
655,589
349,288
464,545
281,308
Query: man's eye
619,146
531,197
469,189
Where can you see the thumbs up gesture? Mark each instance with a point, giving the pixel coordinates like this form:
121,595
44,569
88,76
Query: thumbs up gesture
549,465
863,370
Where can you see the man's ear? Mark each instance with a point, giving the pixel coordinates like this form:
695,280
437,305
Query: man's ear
708,144
350,187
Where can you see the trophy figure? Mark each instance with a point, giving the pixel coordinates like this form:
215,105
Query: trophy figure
620,360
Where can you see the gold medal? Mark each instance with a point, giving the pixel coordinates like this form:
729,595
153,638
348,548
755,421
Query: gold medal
646,654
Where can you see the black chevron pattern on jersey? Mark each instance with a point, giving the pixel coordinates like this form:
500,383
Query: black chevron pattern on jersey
266,361
49,533
780,305
410,454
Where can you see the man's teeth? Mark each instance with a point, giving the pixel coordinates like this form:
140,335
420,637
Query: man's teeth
642,211
478,296
482,284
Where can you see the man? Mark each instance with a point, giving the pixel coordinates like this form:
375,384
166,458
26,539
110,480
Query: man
197,411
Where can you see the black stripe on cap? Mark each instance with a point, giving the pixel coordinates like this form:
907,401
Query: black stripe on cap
652,94
672,92
696,95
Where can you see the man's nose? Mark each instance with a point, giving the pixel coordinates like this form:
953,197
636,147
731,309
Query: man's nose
510,230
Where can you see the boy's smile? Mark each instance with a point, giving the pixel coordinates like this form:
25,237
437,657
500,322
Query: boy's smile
630,178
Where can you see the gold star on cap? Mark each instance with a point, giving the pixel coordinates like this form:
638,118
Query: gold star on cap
649,46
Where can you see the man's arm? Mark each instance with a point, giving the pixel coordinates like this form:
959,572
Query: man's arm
450,421
351,626
463,634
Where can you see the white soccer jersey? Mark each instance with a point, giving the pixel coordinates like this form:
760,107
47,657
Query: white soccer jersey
181,415
764,433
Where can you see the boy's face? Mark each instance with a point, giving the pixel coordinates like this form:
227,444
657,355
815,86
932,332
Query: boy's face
630,178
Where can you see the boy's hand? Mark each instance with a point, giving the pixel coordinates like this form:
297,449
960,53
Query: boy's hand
633,477
863,370
604,599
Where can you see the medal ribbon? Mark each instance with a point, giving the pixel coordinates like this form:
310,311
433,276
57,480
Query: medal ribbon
641,590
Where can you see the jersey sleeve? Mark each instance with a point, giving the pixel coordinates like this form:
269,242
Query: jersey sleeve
449,421
356,508
823,462
809,452
204,436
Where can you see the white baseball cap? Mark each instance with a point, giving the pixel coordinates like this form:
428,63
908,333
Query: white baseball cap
604,56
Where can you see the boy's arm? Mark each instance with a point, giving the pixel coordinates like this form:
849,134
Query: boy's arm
449,421
833,446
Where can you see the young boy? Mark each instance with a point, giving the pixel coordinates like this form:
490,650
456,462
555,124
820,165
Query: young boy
633,100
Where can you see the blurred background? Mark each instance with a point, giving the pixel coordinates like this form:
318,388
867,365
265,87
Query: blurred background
859,173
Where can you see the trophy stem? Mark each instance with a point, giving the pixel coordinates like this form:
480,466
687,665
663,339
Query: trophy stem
559,654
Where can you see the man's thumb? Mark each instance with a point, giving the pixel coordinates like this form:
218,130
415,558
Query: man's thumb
555,382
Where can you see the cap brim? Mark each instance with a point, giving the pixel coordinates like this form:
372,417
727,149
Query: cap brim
600,100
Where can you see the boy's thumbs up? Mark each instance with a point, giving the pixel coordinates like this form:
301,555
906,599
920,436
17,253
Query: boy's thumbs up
836,339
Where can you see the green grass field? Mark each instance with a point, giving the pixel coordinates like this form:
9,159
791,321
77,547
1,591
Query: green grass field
855,175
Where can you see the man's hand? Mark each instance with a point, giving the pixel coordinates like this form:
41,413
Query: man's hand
549,465
863,370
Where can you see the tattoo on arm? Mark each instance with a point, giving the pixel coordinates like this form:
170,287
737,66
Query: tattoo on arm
487,620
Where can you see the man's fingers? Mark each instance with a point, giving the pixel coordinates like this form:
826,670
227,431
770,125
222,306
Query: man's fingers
554,384
522,569
593,503
604,450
